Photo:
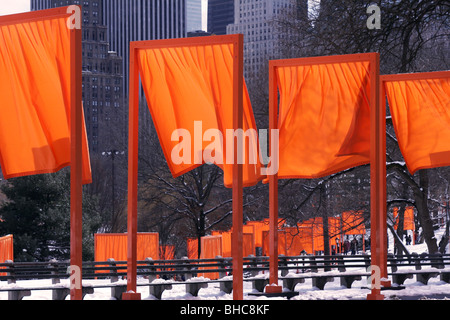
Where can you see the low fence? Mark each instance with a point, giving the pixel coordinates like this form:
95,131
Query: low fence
161,275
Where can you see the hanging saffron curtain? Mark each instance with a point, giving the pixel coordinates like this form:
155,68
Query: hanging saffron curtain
259,227
211,248
353,223
295,240
248,243
305,237
420,110
334,232
324,118
408,223
226,242
35,61
408,219
6,250
115,246
192,248
189,92
167,252
281,242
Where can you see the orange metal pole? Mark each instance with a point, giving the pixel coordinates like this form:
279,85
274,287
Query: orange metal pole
133,150
237,235
273,187
382,176
377,177
76,191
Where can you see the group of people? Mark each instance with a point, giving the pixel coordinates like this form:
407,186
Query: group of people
408,239
350,246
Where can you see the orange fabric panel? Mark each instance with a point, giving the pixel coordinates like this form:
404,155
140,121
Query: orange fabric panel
316,226
248,240
184,85
334,230
294,244
354,220
318,234
226,244
167,252
305,238
6,250
281,243
248,228
259,227
324,118
408,219
35,87
408,223
420,112
334,226
115,246
306,234
211,248
395,215
192,248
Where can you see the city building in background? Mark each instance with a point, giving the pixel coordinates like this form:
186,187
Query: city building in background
108,28
194,15
220,15
103,81
254,18
136,20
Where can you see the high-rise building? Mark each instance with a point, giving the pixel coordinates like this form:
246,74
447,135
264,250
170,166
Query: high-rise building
194,15
103,81
117,23
254,19
136,20
220,15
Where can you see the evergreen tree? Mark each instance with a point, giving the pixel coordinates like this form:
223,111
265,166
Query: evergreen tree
37,214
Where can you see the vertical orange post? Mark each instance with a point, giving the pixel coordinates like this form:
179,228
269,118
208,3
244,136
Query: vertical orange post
237,236
76,191
273,186
377,178
382,173
133,149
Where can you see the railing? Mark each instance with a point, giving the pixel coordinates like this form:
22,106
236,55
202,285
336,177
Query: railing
195,274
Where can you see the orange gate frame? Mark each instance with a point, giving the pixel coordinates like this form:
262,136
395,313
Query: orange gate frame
377,162
237,187
76,117
410,77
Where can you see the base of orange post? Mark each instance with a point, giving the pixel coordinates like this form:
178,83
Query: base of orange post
375,295
131,296
274,289
386,283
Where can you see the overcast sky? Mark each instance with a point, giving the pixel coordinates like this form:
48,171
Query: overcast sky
14,6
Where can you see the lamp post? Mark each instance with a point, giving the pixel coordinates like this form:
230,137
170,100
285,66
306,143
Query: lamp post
113,153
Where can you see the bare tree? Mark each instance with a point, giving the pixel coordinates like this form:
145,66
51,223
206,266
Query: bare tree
411,32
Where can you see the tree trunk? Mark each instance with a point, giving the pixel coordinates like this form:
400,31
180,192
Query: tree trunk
445,238
400,230
201,232
423,213
401,247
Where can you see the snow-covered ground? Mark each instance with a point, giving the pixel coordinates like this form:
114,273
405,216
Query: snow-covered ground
435,289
